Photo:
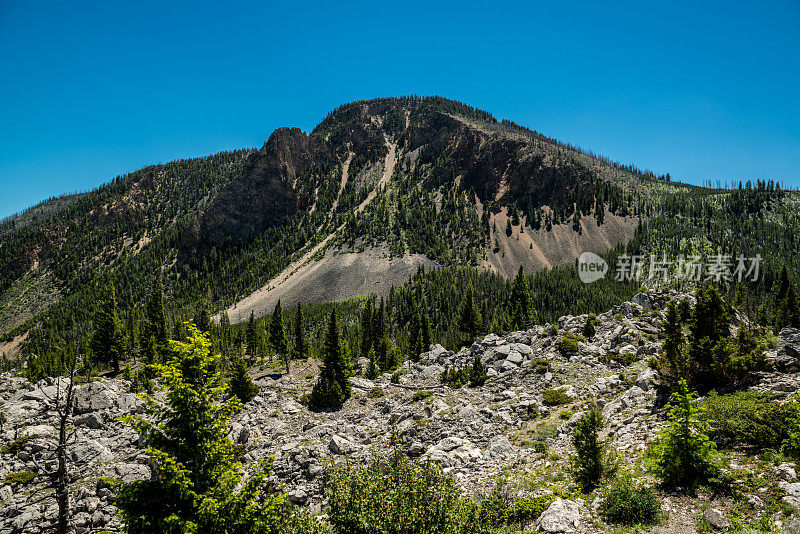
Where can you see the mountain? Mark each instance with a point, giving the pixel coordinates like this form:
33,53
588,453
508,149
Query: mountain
376,190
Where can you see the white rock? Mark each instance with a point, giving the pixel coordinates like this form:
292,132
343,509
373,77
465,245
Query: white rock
560,517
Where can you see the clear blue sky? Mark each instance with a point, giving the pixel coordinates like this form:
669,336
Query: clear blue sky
91,90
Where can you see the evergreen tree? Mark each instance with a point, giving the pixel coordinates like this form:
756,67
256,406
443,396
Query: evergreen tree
520,302
240,382
592,461
155,318
107,342
787,307
477,374
426,331
300,345
415,340
366,328
509,230
197,485
709,324
332,387
672,347
277,334
683,454
202,319
469,317
372,371
588,327
379,324
251,336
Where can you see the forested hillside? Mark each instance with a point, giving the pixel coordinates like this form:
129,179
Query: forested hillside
428,177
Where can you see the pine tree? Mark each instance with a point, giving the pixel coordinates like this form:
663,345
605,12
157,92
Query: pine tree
372,371
588,327
107,343
426,331
332,387
251,336
477,374
469,317
300,345
415,337
379,324
520,303
591,461
672,347
240,382
155,318
366,328
277,334
683,454
197,484
202,319
787,307
509,230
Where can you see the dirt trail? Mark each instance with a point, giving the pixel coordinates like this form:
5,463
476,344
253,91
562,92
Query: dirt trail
298,267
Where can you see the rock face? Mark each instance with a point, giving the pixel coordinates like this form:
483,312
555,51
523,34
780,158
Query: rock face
474,433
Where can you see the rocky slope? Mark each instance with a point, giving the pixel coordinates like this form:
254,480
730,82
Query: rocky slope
501,435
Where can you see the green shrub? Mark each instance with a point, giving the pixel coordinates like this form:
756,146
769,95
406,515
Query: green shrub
241,384
17,445
375,392
683,454
626,503
456,378
420,395
396,495
477,374
20,477
540,365
556,397
747,418
568,343
791,445
528,509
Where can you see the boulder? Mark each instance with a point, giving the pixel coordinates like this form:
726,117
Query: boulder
715,518
340,445
561,516
94,396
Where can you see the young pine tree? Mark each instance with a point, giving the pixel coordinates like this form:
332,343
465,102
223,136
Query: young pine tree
332,387
592,460
197,485
673,345
300,345
251,336
588,327
520,302
277,334
469,317
155,318
240,382
107,343
683,454
366,328
477,373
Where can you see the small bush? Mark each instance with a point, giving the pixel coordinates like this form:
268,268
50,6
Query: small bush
540,365
568,343
17,445
556,397
20,477
242,386
791,445
396,495
565,415
626,503
375,392
420,395
456,378
747,418
528,509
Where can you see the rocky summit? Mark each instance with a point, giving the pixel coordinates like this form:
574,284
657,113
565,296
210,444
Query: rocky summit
512,434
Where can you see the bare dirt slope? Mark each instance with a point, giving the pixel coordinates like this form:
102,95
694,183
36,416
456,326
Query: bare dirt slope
540,249
334,277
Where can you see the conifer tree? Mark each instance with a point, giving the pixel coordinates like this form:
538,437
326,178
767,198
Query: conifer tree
277,334
469,318
366,328
591,461
672,347
156,319
379,324
520,303
251,336
202,319
300,345
415,341
588,327
197,484
107,342
332,387
241,384
372,371
477,374
509,230
787,307
426,330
